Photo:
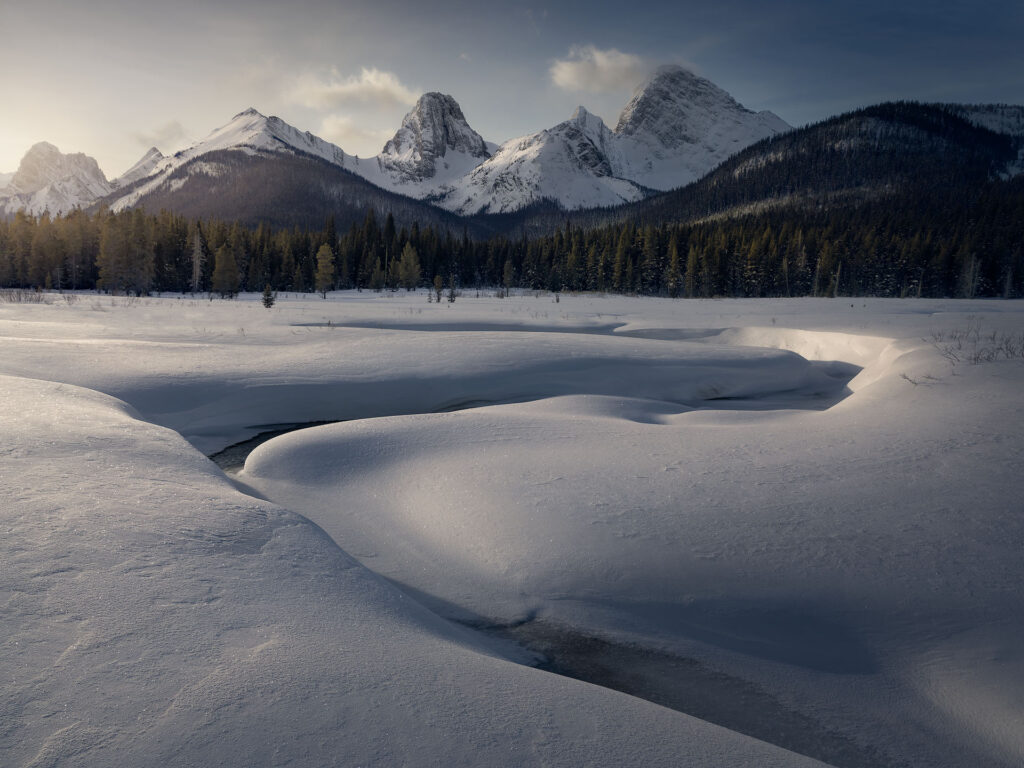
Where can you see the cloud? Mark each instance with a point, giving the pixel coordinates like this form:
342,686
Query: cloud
588,68
353,137
165,137
371,86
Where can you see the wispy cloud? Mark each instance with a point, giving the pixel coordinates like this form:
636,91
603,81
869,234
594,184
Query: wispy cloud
589,68
371,86
166,137
353,136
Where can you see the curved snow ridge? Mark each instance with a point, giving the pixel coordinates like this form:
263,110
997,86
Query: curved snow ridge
873,354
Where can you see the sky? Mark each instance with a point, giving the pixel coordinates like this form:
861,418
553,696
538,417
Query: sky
112,78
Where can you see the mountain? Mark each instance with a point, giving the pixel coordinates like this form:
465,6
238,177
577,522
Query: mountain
248,132
576,164
49,181
261,169
432,151
434,146
5,179
143,168
900,151
677,127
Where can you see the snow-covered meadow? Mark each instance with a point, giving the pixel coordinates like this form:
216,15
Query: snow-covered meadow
797,519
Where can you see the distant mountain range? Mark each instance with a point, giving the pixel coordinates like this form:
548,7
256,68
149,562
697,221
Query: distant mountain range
677,129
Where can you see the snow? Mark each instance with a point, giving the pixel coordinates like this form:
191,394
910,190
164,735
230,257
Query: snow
701,479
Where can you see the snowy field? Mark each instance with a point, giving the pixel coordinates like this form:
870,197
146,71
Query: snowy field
796,524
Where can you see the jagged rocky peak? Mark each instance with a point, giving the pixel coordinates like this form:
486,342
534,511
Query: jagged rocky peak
433,129
44,164
588,122
677,107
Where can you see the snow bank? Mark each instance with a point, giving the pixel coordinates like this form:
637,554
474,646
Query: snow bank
152,615
642,477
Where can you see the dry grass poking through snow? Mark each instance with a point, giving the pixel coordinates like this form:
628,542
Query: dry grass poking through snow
974,346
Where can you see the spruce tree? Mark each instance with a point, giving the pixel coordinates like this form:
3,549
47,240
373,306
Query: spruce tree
409,267
225,272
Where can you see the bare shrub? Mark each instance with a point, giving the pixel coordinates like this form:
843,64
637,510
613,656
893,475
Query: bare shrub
21,296
972,345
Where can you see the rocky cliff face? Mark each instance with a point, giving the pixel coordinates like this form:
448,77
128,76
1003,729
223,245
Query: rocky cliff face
49,181
679,126
435,131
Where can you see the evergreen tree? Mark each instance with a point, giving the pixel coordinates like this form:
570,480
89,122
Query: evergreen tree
674,272
508,275
692,272
409,267
198,261
324,269
377,277
225,272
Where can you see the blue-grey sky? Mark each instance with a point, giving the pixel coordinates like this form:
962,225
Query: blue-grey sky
112,77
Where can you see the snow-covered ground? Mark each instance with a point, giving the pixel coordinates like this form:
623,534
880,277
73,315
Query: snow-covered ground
698,486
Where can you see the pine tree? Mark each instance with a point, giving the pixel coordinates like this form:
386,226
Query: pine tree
324,270
269,297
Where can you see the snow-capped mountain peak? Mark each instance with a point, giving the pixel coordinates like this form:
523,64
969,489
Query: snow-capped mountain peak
141,169
678,126
44,164
253,131
48,180
590,124
249,132
434,137
674,106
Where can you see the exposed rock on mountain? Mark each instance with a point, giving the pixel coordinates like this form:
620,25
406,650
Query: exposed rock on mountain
49,181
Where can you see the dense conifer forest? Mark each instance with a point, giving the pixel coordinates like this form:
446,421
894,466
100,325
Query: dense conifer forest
968,241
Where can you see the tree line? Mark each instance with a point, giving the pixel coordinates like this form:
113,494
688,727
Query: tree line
964,243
